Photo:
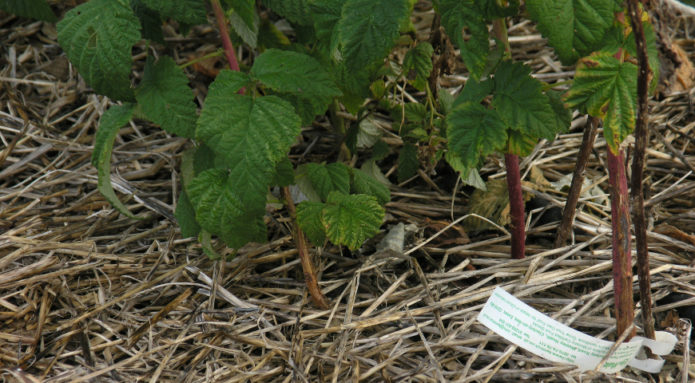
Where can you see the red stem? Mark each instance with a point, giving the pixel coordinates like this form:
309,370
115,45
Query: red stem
622,257
516,205
224,32
620,224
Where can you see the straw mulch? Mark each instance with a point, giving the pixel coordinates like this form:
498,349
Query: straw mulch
87,295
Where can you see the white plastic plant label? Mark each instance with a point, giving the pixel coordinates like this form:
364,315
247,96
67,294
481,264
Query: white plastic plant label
534,331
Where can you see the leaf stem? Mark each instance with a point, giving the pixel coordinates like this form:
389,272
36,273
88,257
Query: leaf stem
224,33
637,181
202,58
310,278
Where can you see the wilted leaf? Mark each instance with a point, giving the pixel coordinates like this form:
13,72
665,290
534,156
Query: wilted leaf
111,122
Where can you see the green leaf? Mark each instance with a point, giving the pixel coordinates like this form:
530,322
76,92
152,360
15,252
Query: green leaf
469,176
187,166
190,12
419,60
245,229
306,109
284,173
247,30
652,51
573,27
519,143
351,219
111,122
205,240
165,98
461,17
606,88
247,132
474,132
229,81
380,150
216,205
98,37
269,36
185,216
326,15
491,9
409,112
246,11
309,220
563,116
296,11
363,183
221,210
328,178
354,85
368,30
295,73
203,159
474,91
33,9
408,163
521,103
249,136
149,20
446,101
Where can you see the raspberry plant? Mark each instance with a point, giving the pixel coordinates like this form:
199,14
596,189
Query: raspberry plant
339,61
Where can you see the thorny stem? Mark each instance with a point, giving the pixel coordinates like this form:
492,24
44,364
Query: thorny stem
637,181
569,211
310,278
224,32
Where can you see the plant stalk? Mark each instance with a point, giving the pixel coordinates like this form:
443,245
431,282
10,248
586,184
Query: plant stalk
622,257
620,224
637,181
570,209
511,161
310,278
516,205
224,33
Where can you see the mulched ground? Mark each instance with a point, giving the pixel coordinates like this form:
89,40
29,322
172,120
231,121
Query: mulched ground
89,295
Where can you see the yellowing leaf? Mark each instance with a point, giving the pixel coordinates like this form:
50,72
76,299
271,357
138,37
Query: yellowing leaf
606,88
